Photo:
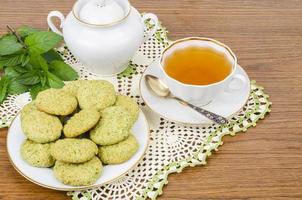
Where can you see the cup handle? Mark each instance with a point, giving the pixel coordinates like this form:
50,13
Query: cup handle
51,24
242,82
152,31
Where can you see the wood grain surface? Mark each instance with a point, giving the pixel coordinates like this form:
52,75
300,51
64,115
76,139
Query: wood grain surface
266,35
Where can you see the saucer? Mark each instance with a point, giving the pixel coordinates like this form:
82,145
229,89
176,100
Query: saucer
225,104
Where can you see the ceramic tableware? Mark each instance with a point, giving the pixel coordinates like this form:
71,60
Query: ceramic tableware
225,104
45,176
161,89
103,34
202,94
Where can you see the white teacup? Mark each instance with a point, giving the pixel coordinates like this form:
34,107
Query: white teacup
203,94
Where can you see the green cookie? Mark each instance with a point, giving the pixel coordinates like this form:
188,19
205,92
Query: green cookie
56,102
39,126
113,127
119,153
129,104
82,174
36,154
74,150
96,94
73,86
28,108
81,122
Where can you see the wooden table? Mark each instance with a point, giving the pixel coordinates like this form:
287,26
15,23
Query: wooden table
266,35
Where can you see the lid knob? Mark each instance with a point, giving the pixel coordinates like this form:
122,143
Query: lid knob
101,12
101,3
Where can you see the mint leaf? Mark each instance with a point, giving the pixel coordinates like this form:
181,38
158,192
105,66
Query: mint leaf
12,60
29,67
20,69
28,78
63,71
54,81
37,61
52,55
43,80
9,45
3,88
34,91
26,30
16,88
25,59
43,41
10,72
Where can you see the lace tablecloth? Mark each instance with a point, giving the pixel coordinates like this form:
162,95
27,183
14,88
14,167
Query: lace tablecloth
173,146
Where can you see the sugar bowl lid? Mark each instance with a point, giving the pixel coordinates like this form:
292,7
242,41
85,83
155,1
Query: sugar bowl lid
101,12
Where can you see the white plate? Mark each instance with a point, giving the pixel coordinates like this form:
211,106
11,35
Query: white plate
225,104
45,177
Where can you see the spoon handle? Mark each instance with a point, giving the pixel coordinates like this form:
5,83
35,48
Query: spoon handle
212,116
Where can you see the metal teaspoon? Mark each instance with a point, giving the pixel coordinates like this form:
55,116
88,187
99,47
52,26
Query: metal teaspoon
161,89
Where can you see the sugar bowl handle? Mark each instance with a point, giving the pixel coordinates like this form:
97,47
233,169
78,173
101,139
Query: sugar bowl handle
154,20
51,24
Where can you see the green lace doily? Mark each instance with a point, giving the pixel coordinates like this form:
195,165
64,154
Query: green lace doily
247,118
256,108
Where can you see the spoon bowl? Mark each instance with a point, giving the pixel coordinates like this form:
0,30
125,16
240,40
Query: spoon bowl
157,86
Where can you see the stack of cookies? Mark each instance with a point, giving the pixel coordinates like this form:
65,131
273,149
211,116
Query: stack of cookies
78,129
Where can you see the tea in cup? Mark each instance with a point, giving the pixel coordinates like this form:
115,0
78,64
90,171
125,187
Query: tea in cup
197,69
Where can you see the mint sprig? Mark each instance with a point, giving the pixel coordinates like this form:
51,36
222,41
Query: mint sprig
30,64
11,42
41,42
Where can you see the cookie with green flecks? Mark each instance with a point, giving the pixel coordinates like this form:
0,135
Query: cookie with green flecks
36,154
120,152
74,150
56,102
98,94
113,127
73,86
28,108
78,174
129,104
40,127
81,122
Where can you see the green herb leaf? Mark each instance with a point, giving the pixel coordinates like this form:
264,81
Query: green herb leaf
3,88
43,80
54,81
41,42
34,91
16,88
21,69
37,61
25,59
63,71
12,60
52,55
29,78
29,67
9,45
10,72
26,30
35,68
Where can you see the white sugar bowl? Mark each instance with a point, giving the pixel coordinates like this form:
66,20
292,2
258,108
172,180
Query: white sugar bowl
103,34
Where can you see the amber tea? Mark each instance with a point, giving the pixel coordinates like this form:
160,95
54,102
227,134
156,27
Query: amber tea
197,66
